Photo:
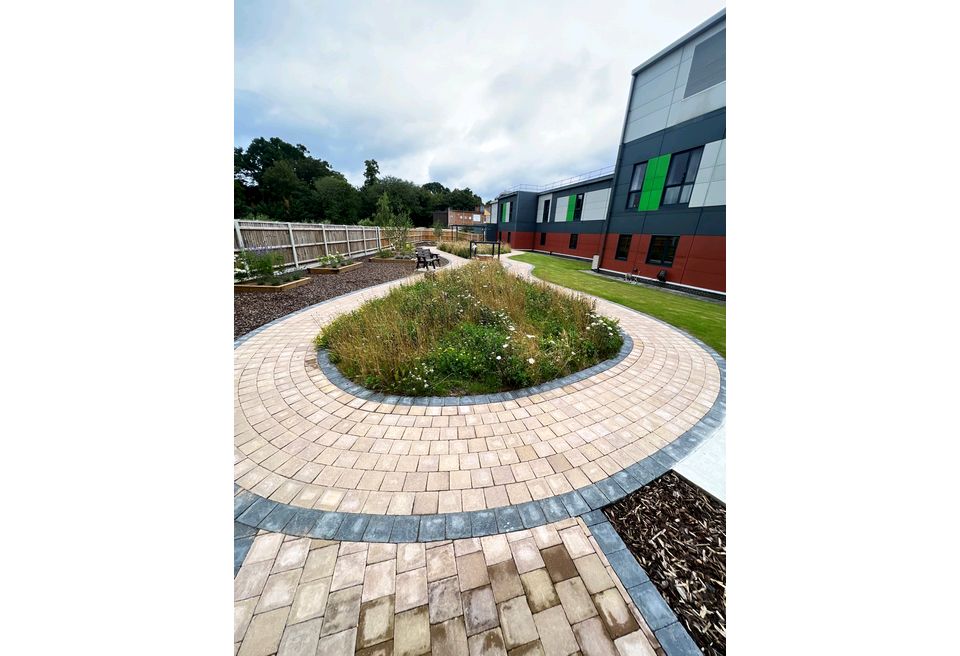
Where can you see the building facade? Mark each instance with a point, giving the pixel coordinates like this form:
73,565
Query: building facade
662,212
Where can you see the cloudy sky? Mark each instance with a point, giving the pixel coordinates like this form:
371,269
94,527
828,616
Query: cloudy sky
480,94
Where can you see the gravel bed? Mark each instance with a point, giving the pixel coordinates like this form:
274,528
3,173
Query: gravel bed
254,310
678,532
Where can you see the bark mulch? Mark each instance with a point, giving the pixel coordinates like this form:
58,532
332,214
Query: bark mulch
679,534
254,310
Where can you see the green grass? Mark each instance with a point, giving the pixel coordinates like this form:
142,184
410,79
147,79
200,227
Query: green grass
472,330
703,319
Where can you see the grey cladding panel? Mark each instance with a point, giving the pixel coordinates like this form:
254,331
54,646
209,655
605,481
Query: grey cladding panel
709,64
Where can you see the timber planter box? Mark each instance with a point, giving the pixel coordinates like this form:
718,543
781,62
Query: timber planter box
331,270
411,264
252,288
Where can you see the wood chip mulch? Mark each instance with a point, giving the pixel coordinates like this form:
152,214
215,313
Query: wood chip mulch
678,532
251,311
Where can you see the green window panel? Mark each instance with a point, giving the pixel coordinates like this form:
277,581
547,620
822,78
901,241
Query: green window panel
653,182
571,206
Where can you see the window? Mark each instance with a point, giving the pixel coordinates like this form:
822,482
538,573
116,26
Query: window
709,65
662,250
681,176
543,238
546,211
633,196
623,247
573,241
578,207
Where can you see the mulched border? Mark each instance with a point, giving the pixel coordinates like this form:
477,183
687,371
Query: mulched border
678,533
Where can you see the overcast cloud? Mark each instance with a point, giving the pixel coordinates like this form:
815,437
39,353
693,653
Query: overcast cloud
484,95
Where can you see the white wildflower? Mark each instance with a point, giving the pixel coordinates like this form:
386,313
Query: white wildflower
498,357
531,360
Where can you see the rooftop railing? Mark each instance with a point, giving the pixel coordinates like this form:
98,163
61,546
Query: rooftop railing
583,177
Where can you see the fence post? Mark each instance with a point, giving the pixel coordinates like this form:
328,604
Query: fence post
323,232
379,245
293,246
346,230
236,228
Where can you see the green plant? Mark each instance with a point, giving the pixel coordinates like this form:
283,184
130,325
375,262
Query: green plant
462,248
437,230
334,261
259,263
472,330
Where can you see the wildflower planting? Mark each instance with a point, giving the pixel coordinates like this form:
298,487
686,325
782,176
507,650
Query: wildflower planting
472,330
462,248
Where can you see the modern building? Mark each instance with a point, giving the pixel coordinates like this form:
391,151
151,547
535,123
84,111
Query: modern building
660,213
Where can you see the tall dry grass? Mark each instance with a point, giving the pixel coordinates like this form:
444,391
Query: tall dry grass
462,248
469,330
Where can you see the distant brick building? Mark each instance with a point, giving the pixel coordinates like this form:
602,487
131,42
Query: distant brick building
450,217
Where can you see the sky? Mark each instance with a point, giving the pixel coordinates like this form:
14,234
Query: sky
486,95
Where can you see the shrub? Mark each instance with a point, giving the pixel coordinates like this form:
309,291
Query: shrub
462,248
472,330
334,261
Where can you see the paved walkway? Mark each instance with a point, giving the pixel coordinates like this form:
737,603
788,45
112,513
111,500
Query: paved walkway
380,527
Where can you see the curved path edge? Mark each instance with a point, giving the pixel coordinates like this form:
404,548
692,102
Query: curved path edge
254,511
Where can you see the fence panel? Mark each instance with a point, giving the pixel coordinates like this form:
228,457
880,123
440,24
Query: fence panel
305,243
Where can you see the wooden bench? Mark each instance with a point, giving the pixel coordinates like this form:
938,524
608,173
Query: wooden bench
425,258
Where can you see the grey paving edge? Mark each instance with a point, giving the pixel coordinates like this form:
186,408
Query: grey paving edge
670,632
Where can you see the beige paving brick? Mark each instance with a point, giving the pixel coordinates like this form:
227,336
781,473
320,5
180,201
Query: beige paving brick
411,589
279,590
376,622
575,600
301,639
539,590
338,644
441,562
616,617
310,600
526,555
593,573
342,611
380,552
530,649
487,643
292,555
516,622
250,579
379,580
320,563
412,632
263,635
556,636
634,644
449,637
443,599
242,614
349,570
479,610
472,570
411,556
593,640
466,546
264,547
576,542
496,549
505,580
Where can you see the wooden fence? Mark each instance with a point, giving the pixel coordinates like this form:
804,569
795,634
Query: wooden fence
303,243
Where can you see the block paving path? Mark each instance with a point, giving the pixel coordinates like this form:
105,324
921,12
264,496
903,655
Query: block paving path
304,445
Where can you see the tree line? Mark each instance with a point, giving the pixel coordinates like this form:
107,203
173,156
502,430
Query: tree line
280,181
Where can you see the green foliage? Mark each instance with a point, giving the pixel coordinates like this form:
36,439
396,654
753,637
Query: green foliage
462,248
437,230
334,261
472,330
261,265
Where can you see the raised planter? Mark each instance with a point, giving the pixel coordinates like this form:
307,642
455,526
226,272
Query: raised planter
331,270
250,288
412,264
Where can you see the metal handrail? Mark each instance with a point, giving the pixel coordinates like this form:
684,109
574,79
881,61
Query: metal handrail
583,177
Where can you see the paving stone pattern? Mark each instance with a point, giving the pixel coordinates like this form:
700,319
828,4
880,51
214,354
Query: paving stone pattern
549,590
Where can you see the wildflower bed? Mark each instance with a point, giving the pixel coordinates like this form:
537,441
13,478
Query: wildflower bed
472,330
462,248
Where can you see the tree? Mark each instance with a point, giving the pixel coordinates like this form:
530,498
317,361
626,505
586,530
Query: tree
463,199
370,172
338,201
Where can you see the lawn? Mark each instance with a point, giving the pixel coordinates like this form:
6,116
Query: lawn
704,319
472,330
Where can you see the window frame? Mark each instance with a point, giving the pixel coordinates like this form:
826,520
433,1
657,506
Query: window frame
634,194
546,211
574,240
661,262
685,181
626,255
